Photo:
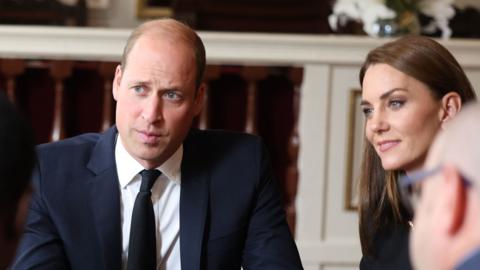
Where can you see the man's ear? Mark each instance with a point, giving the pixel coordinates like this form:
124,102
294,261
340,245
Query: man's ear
456,198
451,104
116,82
200,98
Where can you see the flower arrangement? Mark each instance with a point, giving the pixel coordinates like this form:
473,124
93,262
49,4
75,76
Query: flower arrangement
403,13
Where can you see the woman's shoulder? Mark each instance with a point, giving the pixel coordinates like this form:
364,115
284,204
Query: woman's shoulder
391,251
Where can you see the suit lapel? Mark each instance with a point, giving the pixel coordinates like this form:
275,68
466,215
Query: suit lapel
105,200
193,206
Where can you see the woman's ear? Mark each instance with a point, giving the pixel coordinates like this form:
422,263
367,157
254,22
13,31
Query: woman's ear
451,104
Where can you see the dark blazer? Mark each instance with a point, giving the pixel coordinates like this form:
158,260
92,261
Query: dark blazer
471,262
230,208
391,249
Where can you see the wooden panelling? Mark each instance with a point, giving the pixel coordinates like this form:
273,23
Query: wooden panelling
67,98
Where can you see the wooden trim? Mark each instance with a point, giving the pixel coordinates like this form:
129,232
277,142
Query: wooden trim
350,181
224,48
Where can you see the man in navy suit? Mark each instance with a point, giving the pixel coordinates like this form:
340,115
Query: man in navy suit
446,198
215,203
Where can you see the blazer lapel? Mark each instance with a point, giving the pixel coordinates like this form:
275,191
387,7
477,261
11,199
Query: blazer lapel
105,200
193,206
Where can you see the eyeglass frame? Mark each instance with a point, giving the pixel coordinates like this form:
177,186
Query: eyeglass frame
406,182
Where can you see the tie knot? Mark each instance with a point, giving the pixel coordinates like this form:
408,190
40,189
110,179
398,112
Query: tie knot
148,178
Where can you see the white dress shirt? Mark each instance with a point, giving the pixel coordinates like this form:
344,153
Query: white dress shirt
166,204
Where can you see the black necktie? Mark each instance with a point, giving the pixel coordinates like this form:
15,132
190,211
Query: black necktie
142,252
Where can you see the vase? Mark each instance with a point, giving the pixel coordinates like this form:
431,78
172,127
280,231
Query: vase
406,23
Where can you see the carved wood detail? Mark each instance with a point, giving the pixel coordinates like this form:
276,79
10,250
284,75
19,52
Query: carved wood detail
211,73
59,70
107,72
11,68
252,75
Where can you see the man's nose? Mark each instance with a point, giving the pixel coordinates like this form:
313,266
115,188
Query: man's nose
152,111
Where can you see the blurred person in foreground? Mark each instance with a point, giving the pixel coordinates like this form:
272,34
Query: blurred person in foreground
445,198
16,164
151,192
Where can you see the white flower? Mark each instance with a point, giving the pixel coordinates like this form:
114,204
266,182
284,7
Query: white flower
369,12
441,11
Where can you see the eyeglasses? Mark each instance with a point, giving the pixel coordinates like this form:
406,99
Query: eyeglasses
411,189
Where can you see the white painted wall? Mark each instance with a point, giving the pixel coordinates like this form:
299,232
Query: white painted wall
326,235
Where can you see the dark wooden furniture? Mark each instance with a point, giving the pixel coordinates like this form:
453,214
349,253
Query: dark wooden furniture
278,16
66,98
42,12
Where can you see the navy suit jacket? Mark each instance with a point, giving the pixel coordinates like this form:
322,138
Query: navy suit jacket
471,262
230,208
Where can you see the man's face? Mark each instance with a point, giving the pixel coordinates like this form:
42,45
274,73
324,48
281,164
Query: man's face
428,238
156,99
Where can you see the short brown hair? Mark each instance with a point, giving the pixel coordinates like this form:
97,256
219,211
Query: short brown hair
173,29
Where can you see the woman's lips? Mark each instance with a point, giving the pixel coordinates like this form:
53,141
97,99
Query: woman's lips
387,145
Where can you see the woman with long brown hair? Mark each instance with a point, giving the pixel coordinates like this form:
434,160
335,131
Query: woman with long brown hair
411,88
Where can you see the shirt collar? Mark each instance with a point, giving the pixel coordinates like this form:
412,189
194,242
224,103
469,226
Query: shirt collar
128,168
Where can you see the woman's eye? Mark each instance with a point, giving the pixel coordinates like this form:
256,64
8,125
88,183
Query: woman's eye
367,111
396,104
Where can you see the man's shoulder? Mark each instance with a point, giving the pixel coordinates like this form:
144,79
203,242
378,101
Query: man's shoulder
78,151
79,146
80,141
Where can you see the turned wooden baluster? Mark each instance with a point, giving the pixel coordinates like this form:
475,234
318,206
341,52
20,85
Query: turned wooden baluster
252,75
296,76
107,72
11,68
211,73
60,70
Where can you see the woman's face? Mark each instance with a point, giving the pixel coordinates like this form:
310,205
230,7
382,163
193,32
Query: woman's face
402,117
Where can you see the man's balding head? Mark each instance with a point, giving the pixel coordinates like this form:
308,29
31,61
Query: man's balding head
459,145
174,31
446,225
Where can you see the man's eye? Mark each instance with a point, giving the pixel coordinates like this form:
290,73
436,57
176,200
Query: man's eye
172,95
139,89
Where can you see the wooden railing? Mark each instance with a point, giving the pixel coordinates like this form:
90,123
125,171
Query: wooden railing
46,91
65,97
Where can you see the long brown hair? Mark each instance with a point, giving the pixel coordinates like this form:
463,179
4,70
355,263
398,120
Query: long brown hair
432,64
